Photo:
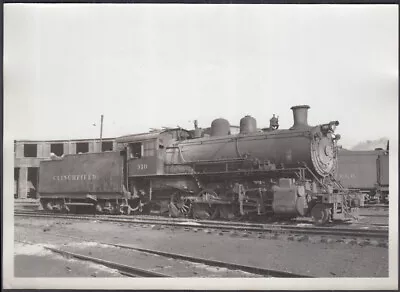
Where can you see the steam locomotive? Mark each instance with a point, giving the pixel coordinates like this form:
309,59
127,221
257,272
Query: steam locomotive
267,172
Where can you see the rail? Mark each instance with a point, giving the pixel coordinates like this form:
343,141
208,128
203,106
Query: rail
214,263
123,269
272,228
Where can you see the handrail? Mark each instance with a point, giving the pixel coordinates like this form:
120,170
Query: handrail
315,177
212,161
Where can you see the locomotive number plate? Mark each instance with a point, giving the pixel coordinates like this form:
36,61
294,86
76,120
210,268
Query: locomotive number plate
142,166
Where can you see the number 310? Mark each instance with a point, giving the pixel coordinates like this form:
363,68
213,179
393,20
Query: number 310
142,166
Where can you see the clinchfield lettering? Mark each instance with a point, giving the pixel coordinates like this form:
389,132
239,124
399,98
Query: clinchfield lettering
75,177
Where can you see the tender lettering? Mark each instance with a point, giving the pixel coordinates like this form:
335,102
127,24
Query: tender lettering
347,176
69,177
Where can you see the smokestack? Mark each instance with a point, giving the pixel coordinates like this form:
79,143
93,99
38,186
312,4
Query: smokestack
300,117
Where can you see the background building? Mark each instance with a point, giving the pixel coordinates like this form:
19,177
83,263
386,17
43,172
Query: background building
28,154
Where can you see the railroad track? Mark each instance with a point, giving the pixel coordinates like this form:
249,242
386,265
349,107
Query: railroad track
169,219
125,270
376,206
138,272
376,215
251,227
251,224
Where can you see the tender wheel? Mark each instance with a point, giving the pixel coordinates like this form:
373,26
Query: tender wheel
99,208
48,206
111,208
127,210
117,209
320,214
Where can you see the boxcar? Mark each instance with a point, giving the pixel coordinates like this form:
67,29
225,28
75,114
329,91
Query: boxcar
366,171
383,175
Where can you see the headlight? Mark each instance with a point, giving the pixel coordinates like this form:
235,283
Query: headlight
333,125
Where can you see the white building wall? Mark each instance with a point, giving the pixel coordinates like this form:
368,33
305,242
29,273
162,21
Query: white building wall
72,148
22,183
19,150
66,146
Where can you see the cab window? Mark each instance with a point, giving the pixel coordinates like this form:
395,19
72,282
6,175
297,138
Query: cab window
149,148
135,150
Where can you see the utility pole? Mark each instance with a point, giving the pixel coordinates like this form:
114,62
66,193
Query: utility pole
101,131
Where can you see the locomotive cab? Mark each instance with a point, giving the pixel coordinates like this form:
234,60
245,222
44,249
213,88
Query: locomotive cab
145,152
145,158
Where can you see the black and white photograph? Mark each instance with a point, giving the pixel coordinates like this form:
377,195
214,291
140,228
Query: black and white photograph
199,146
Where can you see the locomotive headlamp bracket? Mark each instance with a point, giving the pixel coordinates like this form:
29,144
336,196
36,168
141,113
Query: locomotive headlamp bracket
329,128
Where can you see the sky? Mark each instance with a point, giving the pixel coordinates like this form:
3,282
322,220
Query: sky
149,66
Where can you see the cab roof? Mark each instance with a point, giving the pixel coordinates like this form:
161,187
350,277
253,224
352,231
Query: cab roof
146,136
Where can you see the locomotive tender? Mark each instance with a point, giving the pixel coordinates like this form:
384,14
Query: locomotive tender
270,172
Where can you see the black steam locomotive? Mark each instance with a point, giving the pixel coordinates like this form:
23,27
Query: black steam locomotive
257,172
